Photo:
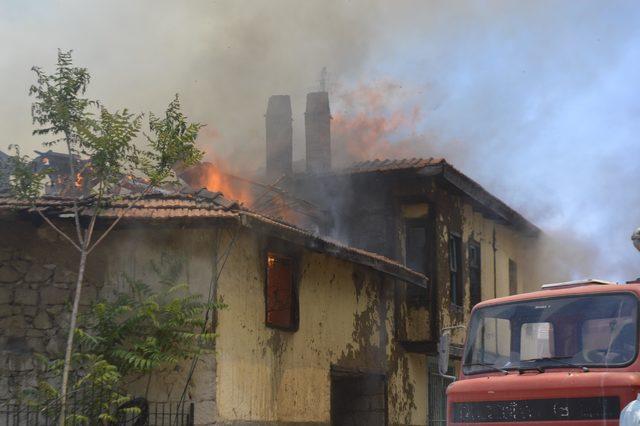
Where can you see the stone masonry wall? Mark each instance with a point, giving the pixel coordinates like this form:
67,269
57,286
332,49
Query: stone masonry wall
35,302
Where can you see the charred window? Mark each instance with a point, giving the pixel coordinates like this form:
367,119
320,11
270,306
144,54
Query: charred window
416,250
281,296
416,245
474,273
455,269
513,277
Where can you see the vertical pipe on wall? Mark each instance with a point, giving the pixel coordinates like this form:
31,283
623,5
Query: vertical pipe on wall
495,272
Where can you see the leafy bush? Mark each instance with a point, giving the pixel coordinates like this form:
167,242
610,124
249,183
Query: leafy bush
134,333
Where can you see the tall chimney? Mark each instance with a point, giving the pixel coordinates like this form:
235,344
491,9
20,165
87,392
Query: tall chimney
317,123
279,136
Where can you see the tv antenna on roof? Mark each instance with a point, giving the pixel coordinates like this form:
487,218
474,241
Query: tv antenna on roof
323,79
324,82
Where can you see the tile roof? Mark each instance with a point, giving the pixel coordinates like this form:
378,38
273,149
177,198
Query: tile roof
204,204
196,204
392,164
263,198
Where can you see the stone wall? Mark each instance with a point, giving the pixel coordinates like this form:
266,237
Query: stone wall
35,302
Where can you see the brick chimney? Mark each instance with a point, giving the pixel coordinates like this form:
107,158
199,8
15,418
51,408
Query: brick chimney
279,136
317,123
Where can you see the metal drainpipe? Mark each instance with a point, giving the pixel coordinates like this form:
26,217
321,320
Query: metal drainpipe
495,276
495,279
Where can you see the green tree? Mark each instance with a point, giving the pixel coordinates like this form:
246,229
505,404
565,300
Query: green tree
132,334
101,144
141,331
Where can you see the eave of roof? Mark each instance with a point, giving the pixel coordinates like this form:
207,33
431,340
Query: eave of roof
316,243
206,205
436,167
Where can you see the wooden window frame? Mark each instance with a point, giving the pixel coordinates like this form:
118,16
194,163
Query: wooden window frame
474,245
456,290
295,315
513,277
417,296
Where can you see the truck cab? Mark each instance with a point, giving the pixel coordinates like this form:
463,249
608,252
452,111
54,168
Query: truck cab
567,354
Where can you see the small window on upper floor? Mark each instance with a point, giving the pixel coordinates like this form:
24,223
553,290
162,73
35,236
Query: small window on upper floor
475,273
416,247
455,269
513,277
281,293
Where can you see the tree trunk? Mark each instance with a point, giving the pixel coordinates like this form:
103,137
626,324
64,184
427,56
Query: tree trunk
72,329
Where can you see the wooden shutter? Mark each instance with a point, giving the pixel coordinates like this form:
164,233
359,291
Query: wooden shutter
280,296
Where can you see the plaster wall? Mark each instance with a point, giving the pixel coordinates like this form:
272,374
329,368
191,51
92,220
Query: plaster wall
346,323
258,375
498,244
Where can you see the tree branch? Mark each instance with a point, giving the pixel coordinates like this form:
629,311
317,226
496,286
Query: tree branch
72,178
58,230
89,234
120,216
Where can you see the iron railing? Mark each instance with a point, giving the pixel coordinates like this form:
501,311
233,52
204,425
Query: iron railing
437,394
84,408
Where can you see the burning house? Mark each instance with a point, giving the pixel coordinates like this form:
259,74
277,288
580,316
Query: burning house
337,280
426,215
421,212
56,166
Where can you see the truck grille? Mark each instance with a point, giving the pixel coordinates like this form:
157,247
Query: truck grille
598,408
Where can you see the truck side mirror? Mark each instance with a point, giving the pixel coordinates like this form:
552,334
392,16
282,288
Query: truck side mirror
443,352
444,347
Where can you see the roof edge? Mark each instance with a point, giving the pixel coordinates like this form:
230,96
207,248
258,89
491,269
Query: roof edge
248,219
316,243
477,192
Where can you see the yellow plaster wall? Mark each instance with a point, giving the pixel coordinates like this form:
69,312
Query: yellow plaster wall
261,374
270,375
509,244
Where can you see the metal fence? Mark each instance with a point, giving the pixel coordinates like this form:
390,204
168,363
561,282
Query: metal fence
437,394
80,413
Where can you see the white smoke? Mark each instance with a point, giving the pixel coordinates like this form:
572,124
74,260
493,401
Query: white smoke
538,101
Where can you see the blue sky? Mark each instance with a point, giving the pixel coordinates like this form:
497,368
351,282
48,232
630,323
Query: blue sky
539,101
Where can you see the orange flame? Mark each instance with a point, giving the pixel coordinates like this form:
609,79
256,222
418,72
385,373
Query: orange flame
370,123
215,179
79,180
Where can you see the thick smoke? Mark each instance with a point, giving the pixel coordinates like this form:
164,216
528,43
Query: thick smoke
537,101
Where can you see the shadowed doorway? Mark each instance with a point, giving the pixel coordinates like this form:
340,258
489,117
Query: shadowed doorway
358,399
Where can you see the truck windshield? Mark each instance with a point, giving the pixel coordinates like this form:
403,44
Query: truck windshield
579,331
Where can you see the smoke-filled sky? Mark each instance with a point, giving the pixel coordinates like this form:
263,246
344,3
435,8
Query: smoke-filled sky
539,101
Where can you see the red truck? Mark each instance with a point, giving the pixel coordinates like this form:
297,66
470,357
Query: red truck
565,355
